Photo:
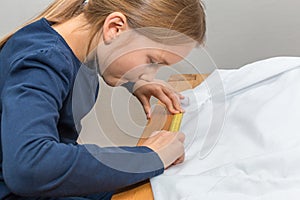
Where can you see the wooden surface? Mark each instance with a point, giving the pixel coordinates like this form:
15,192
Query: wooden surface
160,120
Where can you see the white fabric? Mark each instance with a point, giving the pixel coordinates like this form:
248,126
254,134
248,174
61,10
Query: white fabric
252,148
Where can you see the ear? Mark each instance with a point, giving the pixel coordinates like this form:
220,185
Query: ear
113,26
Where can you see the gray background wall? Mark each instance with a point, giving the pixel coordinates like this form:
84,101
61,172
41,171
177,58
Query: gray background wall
239,32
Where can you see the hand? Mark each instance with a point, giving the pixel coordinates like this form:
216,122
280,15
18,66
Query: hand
143,90
168,145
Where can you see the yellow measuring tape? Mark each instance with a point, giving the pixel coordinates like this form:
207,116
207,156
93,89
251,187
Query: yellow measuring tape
176,122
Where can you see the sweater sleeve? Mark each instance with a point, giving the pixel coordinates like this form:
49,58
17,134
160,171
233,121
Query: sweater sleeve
35,162
129,86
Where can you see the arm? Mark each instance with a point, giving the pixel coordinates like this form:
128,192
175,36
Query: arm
34,160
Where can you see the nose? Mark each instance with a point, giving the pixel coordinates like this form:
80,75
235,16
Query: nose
149,73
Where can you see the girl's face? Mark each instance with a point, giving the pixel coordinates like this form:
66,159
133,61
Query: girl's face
136,57
138,65
125,55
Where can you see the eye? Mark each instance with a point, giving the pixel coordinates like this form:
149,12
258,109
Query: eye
151,61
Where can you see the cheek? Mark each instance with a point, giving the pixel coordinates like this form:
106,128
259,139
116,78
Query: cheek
128,67
115,69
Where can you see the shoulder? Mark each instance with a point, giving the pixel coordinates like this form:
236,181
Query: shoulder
39,44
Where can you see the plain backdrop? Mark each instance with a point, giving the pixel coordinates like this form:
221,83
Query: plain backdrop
238,32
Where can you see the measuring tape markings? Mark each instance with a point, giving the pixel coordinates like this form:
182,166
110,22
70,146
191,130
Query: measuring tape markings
176,122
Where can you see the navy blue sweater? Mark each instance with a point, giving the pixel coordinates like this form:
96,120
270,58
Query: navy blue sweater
39,154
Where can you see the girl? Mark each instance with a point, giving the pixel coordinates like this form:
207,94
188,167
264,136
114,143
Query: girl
38,67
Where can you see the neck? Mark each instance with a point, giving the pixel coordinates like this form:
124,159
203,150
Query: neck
77,35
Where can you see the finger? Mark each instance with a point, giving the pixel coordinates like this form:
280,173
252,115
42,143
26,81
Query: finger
179,160
146,105
167,101
174,98
181,137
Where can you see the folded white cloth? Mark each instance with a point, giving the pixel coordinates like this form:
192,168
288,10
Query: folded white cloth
242,136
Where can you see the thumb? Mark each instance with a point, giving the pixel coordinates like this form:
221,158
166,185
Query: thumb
181,137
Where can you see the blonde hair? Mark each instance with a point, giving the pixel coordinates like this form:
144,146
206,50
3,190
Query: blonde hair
183,16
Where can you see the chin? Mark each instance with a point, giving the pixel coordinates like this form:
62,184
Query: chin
108,82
